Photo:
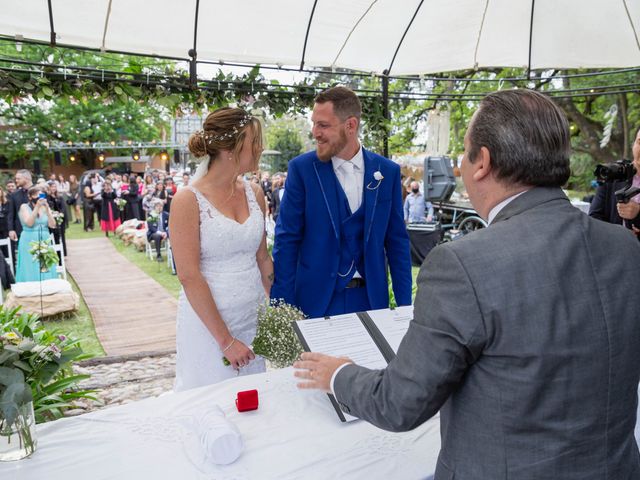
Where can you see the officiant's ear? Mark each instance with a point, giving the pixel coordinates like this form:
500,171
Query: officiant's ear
482,165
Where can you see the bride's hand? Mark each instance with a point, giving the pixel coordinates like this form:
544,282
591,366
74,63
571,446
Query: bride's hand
239,355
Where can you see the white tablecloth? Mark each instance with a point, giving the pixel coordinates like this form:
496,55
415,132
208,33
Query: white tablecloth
293,435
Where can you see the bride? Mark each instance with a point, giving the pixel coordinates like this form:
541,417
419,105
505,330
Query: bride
219,244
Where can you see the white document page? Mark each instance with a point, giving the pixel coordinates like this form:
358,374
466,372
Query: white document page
393,324
342,336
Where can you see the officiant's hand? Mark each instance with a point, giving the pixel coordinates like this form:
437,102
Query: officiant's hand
317,369
239,355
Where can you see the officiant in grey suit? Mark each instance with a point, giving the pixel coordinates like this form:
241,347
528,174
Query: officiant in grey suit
524,336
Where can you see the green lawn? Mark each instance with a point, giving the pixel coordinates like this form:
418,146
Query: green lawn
79,325
159,271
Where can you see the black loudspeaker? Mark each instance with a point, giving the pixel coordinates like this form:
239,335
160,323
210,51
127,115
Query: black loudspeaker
57,158
36,167
176,157
439,180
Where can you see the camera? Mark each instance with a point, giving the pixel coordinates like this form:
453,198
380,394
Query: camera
42,195
620,170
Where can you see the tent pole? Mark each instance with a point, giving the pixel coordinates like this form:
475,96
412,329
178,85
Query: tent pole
193,64
385,112
53,32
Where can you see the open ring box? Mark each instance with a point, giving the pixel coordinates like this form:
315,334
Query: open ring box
247,400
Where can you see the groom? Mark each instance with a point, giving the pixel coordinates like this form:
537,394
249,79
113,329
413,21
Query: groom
340,220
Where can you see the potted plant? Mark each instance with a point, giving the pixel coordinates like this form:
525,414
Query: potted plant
35,380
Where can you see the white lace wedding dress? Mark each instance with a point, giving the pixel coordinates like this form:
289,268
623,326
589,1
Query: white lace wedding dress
228,263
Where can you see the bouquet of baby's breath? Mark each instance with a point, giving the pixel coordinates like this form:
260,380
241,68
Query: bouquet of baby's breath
120,203
275,338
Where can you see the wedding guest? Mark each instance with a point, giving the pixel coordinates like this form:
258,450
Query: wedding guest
36,219
521,336
11,187
170,191
148,200
88,205
57,208
415,206
185,180
96,187
4,214
74,198
110,215
16,200
158,227
340,222
132,208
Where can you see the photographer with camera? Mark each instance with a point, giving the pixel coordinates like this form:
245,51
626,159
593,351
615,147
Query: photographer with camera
617,198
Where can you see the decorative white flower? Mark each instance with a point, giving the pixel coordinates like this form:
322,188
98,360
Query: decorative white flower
377,175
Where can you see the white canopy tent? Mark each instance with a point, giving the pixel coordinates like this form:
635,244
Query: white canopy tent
403,36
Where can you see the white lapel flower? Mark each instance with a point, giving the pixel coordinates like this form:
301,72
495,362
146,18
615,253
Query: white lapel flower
377,178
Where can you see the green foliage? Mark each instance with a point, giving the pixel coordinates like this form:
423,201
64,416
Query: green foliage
35,364
283,136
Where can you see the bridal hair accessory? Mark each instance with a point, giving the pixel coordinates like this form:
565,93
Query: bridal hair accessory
377,176
209,138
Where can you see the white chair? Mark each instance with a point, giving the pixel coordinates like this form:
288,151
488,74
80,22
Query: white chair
170,256
150,249
6,242
60,269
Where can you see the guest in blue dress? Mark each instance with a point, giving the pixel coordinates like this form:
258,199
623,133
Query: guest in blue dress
36,219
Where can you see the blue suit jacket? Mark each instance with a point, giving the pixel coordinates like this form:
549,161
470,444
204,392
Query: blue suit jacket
307,235
153,226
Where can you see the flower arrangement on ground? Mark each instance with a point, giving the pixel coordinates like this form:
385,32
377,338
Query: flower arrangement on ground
275,338
35,374
44,253
58,217
120,203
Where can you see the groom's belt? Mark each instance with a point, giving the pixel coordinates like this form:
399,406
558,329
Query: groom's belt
356,283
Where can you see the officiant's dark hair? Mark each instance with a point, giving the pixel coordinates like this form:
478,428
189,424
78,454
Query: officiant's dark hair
345,103
226,129
527,136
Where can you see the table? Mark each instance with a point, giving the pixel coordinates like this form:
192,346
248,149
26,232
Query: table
294,434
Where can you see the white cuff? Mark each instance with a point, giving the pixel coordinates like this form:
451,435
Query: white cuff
333,377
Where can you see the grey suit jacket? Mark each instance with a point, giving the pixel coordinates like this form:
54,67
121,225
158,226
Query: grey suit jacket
526,337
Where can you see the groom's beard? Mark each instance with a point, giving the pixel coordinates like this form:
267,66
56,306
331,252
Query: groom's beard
330,149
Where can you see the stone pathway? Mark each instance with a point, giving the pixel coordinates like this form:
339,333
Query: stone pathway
120,380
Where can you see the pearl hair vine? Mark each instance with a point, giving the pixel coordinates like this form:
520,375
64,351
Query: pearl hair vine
210,138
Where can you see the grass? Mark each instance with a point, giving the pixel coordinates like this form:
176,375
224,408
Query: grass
159,271
79,325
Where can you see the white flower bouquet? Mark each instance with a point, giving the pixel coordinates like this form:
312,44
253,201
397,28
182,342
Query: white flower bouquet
275,338
120,203
58,217
44,254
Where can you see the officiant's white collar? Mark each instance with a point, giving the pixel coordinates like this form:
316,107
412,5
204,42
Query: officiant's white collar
357,160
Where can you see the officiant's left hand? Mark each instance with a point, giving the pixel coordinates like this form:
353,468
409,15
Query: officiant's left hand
317,369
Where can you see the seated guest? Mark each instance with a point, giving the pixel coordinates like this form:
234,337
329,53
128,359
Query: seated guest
522,338
158,227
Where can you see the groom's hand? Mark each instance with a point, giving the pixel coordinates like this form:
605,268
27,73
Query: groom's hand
317,369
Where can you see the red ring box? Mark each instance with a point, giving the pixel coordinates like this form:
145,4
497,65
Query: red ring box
247,400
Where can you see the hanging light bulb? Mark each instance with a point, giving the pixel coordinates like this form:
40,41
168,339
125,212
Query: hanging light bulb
135,155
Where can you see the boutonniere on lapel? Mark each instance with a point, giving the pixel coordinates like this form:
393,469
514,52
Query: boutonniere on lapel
377,177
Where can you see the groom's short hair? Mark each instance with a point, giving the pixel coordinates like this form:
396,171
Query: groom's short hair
345,103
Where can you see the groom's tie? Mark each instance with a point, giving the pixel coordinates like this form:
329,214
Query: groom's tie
350,185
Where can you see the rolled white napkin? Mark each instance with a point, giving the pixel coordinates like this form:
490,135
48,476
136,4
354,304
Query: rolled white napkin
220,439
